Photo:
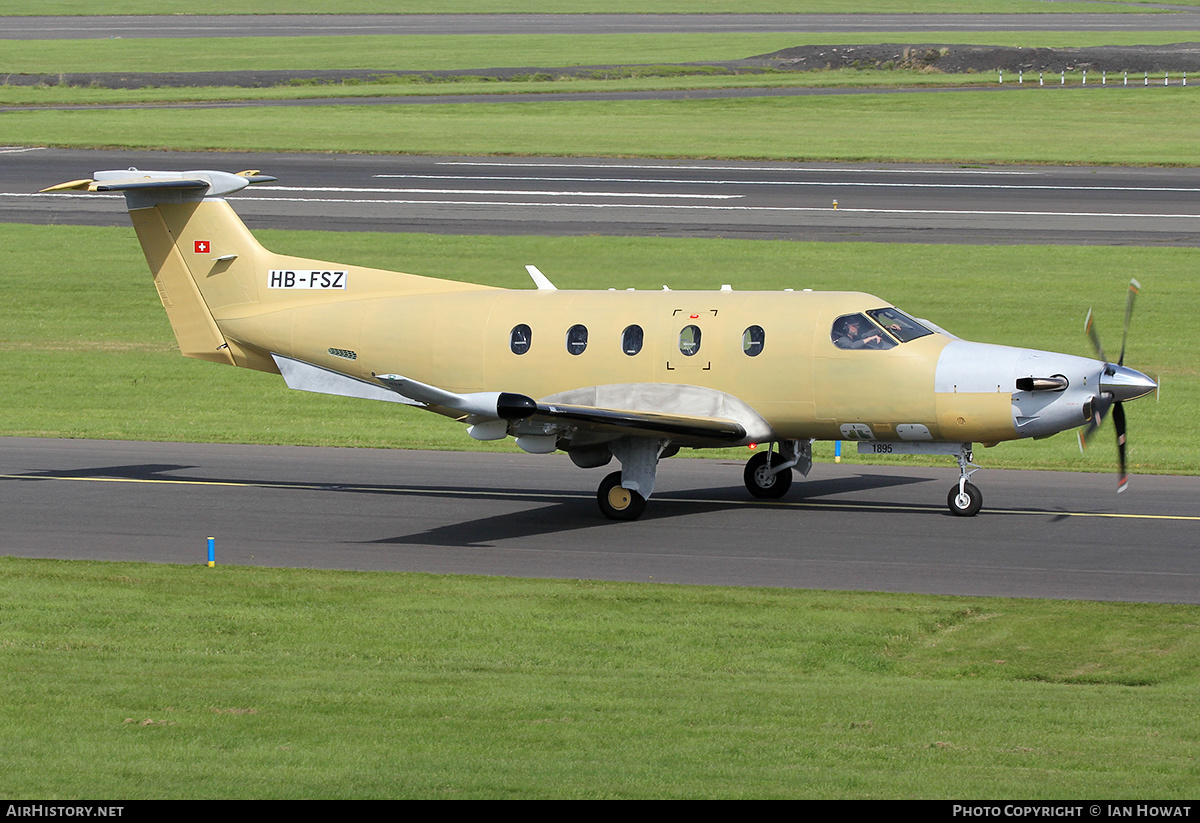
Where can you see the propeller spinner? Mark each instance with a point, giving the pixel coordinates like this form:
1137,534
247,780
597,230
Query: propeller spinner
1117,384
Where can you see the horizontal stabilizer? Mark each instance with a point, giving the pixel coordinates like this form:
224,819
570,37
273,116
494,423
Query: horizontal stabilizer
206,183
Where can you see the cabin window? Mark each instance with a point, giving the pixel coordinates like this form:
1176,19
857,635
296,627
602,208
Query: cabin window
519,339
753,339
689,340
899,324
631,340
576,339
855,331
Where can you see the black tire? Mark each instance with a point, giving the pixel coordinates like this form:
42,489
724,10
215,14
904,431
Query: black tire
618,503
966,505
759,483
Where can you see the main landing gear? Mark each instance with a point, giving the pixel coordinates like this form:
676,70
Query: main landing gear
617,502
764,476
768,475
623,495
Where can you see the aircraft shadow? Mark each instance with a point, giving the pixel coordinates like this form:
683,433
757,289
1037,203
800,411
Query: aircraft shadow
556,512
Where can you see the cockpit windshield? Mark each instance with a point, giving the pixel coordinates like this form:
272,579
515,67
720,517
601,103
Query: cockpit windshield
856,331
899,324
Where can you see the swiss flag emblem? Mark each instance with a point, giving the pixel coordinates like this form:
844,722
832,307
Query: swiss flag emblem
200,247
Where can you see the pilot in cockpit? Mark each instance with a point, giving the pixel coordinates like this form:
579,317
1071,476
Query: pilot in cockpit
855,332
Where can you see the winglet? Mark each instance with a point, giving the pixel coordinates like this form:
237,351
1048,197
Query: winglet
71,185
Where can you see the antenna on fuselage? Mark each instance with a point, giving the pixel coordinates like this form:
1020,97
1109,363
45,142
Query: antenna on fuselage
540,280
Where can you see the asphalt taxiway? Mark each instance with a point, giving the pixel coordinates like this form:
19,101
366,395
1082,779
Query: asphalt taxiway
1041,534
581,196
1181,18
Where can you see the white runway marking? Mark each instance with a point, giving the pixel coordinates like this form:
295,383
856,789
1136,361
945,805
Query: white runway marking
669,206
514,192
823,184
793,170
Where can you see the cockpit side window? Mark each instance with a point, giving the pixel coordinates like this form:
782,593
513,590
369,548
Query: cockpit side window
855,331
899,324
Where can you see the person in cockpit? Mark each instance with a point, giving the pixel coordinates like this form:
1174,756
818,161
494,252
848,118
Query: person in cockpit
854,332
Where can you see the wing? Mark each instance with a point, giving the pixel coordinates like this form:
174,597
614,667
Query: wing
691,416
528,416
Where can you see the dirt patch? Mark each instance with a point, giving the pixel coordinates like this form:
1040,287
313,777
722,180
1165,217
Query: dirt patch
950,59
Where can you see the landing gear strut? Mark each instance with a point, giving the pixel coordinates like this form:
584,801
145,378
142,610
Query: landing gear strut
965,499
622,495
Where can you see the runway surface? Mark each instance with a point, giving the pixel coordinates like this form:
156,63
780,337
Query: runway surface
1041,534
321,25
579,196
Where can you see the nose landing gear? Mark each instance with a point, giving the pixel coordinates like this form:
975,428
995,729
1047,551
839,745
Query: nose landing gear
965,499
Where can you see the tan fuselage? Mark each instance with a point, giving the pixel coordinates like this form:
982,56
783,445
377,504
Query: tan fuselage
458,335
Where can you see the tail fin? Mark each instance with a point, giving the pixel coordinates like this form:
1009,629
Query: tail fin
188,236
230,300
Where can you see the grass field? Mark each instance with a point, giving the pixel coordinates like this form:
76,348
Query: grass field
137,681
450,52
57,7
1089,126
86,306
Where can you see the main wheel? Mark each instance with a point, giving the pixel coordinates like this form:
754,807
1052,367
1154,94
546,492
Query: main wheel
762,484
966,503
618,502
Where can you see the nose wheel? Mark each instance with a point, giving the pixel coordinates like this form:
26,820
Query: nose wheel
965,502
965,499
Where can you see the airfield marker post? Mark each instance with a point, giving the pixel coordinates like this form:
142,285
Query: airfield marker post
212,552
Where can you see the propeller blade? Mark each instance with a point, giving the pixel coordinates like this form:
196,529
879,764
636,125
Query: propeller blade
1134,288
1119,423
1090,326
1100,406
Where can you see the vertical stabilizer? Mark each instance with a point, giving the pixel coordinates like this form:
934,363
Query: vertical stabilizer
200,253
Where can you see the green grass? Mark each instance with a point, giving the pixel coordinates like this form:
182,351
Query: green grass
87,351
136,681
626,79
55,7
1028,125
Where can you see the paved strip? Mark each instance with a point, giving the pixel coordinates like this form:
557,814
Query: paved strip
549,196
557,496
321,25
1041,534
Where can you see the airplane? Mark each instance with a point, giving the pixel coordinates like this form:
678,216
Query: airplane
635,375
